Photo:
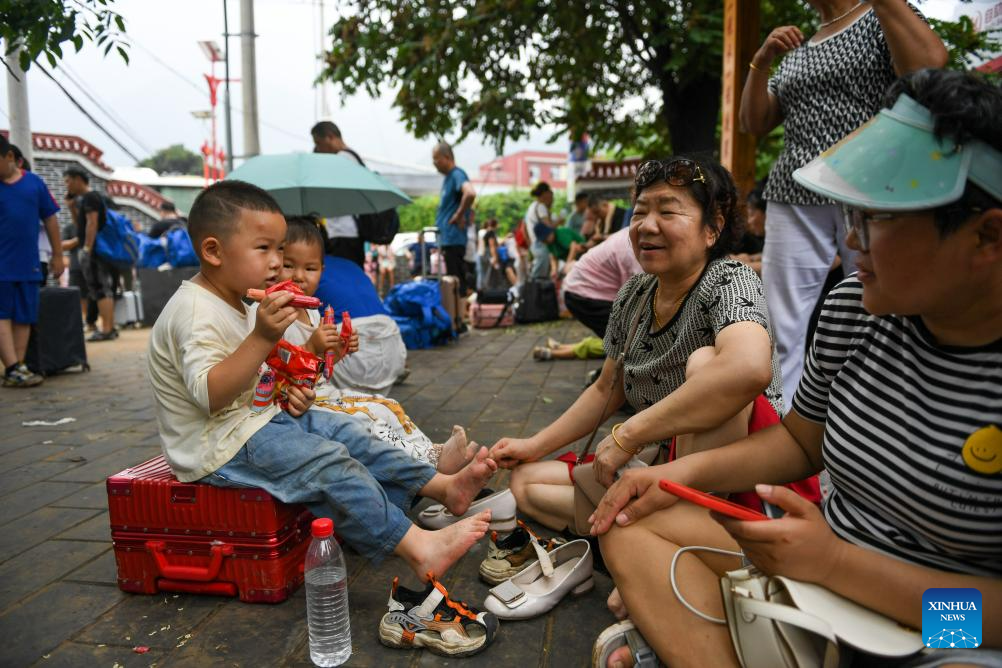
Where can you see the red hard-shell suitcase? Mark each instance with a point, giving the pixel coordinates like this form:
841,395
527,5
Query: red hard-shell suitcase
196,538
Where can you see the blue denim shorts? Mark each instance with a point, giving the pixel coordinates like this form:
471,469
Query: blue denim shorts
19,301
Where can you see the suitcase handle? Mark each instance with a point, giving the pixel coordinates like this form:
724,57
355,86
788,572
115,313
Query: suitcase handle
193,573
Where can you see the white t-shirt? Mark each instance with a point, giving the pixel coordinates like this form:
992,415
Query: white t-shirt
537,213
44,245
342,227
195,331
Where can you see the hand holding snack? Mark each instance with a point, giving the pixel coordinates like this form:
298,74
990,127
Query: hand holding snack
274,316
299,399
329,355
296,368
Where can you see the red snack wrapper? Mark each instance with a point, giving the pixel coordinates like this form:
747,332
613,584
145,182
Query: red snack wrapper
329,356
292,366
299,300
346,330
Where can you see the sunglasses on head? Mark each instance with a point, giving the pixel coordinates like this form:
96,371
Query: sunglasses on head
680,172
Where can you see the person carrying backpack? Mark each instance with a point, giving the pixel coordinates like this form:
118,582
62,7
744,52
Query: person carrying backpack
90,212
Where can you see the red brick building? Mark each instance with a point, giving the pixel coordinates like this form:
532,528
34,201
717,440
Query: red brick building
524,169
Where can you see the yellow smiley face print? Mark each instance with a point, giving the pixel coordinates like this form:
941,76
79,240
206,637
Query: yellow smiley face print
983,450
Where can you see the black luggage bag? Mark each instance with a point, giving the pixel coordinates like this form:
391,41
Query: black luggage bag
57,339
537,302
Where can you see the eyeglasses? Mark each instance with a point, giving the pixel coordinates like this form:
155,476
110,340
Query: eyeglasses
858,220
680,172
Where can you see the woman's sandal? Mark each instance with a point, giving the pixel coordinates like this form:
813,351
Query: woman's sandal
618,635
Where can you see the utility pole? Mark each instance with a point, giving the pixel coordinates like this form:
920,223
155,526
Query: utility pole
226,90
252,145
325,109
17,106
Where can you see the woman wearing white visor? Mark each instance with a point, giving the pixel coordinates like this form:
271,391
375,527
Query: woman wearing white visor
901,401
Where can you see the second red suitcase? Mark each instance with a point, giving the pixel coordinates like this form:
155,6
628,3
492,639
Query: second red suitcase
197,538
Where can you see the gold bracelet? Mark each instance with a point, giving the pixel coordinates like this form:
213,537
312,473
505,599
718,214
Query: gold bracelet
619,445
757,68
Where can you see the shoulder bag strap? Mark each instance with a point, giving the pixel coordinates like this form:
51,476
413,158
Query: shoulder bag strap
620,360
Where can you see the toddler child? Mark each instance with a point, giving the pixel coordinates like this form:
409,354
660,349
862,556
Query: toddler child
384,418
204,359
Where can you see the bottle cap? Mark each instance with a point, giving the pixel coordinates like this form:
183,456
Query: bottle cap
322,527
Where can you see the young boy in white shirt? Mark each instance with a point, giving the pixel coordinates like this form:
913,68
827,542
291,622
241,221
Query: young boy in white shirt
204,359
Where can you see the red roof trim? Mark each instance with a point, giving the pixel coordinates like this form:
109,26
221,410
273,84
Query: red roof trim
44,141
135,191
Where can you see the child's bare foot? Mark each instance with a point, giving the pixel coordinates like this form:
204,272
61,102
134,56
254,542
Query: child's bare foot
437,551
455,453
467,482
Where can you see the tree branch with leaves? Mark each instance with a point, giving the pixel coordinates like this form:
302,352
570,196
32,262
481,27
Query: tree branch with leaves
43,27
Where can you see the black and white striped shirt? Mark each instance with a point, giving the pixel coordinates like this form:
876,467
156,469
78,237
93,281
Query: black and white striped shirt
898,410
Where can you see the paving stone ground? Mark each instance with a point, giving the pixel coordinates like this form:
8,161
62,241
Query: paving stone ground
59,603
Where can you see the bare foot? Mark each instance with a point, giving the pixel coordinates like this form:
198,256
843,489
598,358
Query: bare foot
455,452
616,605
467,483
436,551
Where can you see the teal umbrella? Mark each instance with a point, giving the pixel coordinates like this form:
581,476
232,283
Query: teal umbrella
323,183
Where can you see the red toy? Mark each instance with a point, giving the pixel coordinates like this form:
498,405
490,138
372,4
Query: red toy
298,301
197,538
329,356
715,503
346,330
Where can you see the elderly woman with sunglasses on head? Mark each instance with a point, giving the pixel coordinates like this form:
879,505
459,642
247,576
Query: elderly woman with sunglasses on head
901,401
700,364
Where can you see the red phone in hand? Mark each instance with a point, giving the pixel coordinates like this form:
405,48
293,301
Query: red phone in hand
722,506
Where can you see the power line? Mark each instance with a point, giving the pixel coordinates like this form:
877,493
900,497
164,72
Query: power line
130,133
201,90
173,71
86,113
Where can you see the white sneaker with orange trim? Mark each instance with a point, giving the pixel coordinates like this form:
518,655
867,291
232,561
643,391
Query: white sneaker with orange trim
432,620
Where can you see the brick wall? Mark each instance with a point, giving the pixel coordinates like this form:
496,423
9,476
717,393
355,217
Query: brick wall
51,172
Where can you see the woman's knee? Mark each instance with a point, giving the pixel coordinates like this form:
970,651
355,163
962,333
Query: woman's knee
699,358
520,476
617,544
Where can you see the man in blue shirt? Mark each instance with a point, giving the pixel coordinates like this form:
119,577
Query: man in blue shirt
453,215
24,201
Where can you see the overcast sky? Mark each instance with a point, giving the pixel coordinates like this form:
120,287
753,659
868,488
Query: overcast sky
155,104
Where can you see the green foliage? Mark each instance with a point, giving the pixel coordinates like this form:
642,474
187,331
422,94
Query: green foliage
419,214
43,27
174,159
504,67
965,44
508,208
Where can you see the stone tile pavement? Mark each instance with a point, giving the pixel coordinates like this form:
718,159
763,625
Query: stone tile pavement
59,603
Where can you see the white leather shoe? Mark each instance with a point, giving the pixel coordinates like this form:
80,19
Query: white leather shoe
540,586
501,505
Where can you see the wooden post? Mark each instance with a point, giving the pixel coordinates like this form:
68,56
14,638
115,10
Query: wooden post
737,149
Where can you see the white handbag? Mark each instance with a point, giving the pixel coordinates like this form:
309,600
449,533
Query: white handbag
776,622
